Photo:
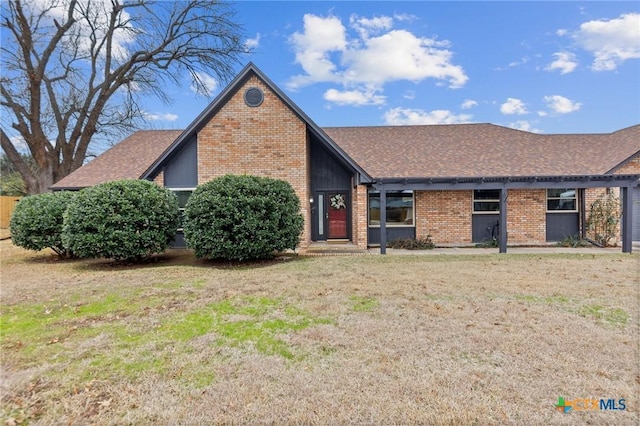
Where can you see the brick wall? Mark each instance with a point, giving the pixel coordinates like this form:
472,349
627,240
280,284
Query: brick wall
527,215
359,215
268,140
159,179
445,215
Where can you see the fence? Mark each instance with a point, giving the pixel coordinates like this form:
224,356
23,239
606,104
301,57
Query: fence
7,204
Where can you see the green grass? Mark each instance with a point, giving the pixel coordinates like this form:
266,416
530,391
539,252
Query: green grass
363,304
613,316
248,322
37,332
602,314
548,300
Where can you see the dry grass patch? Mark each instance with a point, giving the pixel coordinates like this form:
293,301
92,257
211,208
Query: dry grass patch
368,339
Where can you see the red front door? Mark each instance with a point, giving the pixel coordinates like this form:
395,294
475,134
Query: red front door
337,215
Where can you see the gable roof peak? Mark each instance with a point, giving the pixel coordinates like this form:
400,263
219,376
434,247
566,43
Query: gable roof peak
224,96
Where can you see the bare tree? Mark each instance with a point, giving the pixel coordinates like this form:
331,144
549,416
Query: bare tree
74,69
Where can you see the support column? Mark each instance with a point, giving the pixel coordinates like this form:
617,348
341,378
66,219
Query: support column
582,199
503,220
383,221
626,193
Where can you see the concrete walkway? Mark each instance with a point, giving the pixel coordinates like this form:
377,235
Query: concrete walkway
325,249
510,250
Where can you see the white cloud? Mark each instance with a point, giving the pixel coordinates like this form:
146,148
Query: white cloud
405,17
561,105
610,41
407,116
562,32
409,94
321,36
205,84
253,43
368,55
565,62
161,117
354,97
400,55
513,106
468,103
524,126
522,61
366,26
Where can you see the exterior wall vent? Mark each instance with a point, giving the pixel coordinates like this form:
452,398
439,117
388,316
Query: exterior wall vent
253,97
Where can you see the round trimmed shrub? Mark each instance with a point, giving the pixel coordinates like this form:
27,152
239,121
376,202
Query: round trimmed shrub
36,221
122,220
242,218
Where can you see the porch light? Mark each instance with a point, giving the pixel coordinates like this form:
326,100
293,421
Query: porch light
310,200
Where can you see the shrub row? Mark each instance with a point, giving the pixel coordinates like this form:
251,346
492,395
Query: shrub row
231,218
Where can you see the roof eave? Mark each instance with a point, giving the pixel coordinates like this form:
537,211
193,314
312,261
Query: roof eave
66,188
495,182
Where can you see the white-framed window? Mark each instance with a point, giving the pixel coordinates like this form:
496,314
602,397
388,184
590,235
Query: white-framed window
400,211
486,201
560,200
183,195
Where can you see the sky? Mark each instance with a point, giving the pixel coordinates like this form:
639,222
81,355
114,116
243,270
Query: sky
544,67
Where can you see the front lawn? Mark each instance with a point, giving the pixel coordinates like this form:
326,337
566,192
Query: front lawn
486,339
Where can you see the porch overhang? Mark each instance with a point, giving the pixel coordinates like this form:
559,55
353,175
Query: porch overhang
626,182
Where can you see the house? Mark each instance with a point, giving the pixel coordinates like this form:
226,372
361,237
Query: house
458,183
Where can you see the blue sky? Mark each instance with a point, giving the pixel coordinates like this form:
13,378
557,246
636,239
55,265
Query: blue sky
547,67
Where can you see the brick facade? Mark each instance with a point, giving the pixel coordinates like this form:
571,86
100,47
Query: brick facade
360,216
159,179
527,216
269,140
445,215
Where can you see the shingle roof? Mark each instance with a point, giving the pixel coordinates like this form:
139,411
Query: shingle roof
127,160
466,150
456,150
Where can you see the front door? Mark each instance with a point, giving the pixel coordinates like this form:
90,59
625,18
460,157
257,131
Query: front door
330,215
337,215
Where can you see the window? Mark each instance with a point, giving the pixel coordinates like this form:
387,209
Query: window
561,199
486,201
399,208
183,196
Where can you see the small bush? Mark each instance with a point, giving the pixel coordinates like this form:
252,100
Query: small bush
121,220
604,217
412,243
488,243
242,218
572,241
36,222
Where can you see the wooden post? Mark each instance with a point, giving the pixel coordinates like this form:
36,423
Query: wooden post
383,221
503,220
627,218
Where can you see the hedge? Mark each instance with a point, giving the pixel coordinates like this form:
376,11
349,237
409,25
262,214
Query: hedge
242,218
122,220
